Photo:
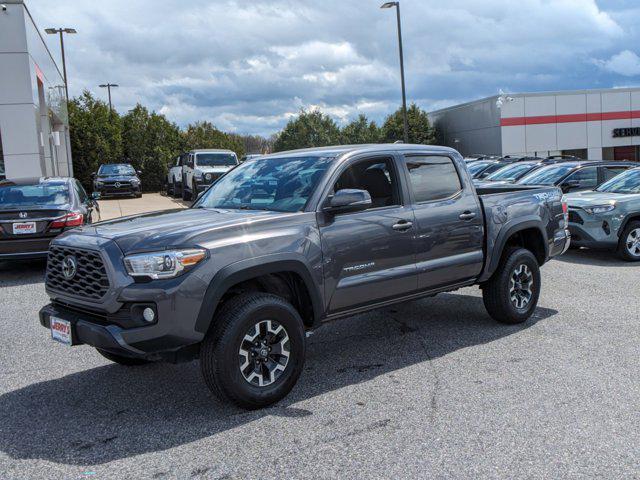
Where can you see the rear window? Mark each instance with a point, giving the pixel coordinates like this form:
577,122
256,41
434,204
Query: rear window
19,196
433,178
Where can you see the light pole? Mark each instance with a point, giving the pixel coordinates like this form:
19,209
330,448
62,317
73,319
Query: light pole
108,86
53,31
404,96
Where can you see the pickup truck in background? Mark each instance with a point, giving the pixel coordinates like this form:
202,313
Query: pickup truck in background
288,241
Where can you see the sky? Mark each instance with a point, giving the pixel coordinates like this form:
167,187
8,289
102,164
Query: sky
249,66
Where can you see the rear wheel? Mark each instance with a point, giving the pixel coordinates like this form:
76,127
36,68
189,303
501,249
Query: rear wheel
629,245
511,295
121,359
254,352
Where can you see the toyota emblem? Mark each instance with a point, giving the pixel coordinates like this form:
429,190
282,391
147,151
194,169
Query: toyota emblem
22,215
117,184
69,267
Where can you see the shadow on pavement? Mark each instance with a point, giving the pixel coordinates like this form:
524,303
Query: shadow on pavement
597,258
22,272
113,412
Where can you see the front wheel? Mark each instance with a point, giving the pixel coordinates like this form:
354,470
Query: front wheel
511,294
254,353
629,246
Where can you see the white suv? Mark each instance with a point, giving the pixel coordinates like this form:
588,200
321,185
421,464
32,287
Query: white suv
200,168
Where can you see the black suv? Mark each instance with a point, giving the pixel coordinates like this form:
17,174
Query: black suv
117,179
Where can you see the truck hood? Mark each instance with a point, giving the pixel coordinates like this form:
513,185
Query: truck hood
217,169
172,228
587,199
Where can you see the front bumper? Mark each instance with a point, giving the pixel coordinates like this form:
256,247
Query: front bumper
122,191
594,231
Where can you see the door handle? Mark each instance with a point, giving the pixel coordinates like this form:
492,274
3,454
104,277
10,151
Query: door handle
467,215
402,225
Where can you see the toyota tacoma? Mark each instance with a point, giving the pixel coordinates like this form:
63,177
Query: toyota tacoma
287,241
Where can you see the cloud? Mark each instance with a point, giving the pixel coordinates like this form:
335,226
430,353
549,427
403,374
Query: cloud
625,63
249,65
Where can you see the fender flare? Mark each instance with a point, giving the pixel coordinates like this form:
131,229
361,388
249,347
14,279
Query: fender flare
501,242
251,268
629,218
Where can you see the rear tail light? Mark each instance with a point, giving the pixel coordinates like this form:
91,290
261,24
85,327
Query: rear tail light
565,213
71,219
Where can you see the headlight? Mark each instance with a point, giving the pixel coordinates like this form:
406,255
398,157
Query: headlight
165,264
135,181
99,183
599,209
207,177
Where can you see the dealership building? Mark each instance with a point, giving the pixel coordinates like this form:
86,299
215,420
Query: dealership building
34,126
591,124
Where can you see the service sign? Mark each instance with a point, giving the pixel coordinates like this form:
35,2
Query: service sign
626,132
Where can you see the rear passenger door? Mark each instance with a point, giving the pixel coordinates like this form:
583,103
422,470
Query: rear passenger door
368,255
449,229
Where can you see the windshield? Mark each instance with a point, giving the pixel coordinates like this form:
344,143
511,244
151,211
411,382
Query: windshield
547,175
476,167
20,196
627,182
116,170
511,172
279,184
215,159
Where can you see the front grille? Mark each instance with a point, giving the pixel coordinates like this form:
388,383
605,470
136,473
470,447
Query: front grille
574,217
122,184
90,281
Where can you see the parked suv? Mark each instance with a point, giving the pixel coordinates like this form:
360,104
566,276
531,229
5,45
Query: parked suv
285,242
609,216
116,180
576,176
200,168
174,176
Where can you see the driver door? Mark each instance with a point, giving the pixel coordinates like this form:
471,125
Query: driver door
368,255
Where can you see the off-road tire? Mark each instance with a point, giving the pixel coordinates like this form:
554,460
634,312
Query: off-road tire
623,252
219,351
121,359
497,294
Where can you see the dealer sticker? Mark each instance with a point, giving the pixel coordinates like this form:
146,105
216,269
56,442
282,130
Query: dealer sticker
60,330
20,228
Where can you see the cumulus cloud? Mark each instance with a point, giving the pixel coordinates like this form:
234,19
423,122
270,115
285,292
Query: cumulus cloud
249,65
625,63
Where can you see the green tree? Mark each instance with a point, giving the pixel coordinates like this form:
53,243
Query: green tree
360,131
308,129
150,143
96,136
420,130
206,135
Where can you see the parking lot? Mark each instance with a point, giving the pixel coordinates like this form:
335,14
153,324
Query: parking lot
432,388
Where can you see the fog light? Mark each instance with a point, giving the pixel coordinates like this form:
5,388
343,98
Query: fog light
148,314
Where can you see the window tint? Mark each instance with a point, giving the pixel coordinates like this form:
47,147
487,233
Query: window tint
433,178
610,172
588,177
375,176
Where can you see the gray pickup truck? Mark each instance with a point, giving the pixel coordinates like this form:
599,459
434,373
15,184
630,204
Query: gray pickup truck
287,241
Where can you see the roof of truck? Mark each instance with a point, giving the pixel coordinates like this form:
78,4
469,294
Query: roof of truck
336,150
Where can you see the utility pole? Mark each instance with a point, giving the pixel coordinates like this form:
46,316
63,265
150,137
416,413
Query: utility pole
108,86
61,31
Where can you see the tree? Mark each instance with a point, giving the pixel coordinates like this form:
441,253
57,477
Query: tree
420,130
150,144
96,136
360,131
206,135
308,129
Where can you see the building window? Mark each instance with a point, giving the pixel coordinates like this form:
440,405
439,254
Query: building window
580,153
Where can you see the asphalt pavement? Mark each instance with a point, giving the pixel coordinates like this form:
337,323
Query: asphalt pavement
427,389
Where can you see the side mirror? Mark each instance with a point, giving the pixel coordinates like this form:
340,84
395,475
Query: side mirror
139,172
348,200
95,195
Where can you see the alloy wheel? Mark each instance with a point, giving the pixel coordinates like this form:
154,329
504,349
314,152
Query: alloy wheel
633,242
521,286
264,353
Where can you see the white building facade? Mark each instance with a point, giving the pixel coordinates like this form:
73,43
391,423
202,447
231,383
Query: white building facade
34,126
591,124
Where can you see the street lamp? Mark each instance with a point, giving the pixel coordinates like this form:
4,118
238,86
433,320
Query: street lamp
404,96
53,31
108,86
